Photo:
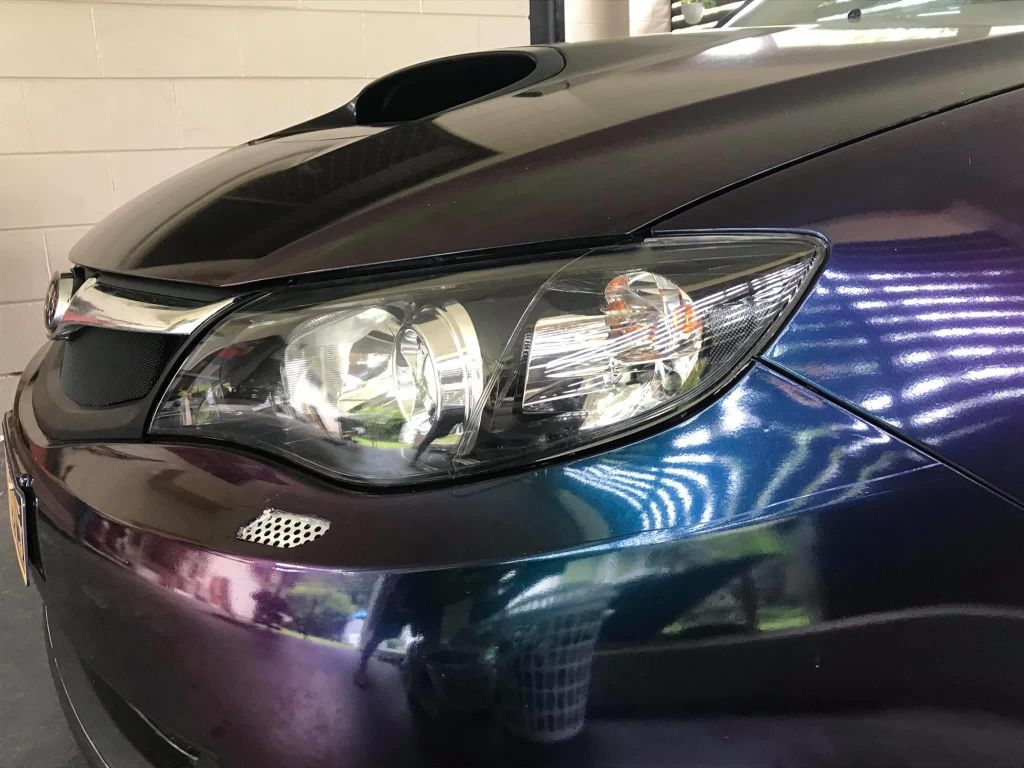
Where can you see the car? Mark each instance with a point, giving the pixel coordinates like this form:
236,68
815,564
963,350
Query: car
633,402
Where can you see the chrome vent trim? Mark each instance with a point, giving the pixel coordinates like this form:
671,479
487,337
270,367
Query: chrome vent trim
99,306
58,298
284,530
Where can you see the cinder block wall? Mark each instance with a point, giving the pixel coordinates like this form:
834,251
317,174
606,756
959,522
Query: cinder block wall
101,100
600,19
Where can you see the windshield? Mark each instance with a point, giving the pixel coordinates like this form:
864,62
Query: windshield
768,13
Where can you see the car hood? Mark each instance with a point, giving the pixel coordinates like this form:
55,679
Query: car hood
626,133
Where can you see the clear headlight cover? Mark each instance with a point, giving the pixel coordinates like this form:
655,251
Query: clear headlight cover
477,370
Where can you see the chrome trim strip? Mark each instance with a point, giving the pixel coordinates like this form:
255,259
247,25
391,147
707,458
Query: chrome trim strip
97,306
192,757
58,297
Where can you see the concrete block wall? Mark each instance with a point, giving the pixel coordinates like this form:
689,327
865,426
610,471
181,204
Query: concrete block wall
598,19
101,100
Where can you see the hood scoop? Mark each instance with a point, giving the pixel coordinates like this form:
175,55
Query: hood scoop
432,87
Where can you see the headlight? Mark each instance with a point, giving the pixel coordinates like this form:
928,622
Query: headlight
404,382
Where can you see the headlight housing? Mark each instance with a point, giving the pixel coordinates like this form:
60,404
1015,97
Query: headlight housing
403,382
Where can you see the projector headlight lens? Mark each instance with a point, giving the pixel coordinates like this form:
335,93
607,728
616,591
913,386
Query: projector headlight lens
500,367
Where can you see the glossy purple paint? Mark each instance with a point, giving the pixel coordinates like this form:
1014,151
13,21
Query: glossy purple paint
917,319
230,651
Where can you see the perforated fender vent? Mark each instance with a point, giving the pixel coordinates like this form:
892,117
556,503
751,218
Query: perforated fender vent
283,530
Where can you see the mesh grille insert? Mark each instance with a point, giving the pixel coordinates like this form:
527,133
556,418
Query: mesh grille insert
284,530
103,367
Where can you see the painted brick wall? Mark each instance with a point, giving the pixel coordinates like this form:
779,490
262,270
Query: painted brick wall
600,19
101,100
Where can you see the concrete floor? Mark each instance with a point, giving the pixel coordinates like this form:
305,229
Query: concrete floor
33,733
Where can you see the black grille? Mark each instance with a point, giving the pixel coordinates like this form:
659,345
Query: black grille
104,367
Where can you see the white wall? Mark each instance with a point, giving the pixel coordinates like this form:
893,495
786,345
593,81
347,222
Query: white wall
649,17
101,100
596,19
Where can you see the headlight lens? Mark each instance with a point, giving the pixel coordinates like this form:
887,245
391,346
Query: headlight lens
488,368
637,353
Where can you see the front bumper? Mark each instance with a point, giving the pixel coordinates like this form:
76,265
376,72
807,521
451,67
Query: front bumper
109,732
582,614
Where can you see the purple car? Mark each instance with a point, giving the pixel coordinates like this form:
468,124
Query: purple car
650,402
